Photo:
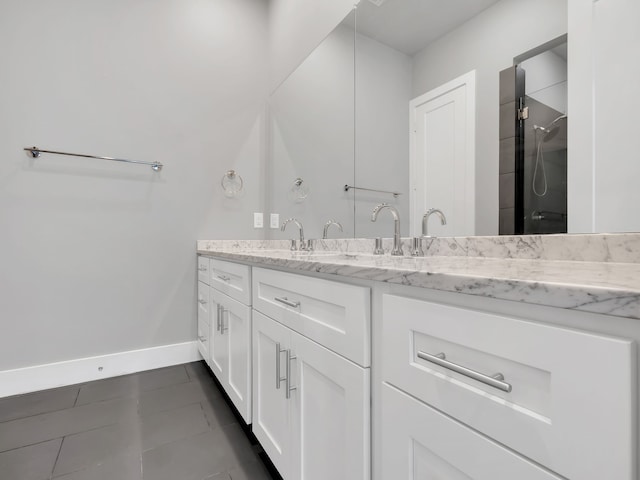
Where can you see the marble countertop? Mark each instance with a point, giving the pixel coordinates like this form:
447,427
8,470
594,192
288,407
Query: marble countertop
610,288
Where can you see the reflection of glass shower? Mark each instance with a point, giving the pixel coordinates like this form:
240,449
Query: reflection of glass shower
545,170
539,186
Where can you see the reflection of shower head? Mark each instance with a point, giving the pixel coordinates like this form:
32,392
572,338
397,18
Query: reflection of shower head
553,125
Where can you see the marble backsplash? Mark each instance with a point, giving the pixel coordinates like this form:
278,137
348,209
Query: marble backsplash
616,247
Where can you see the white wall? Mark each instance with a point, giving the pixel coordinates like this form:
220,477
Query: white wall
603,168
546,79
311,137
617,103
580,202
98,257
383,91
488,43
296,27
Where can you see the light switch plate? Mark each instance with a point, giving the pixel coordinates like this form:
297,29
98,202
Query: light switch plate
275,220
257,220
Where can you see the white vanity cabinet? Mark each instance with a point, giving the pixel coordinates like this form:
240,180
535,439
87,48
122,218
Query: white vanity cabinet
228,351
230,348
204,329
421,443
311,405
460,385
204,308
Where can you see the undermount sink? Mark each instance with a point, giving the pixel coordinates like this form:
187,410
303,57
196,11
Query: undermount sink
314,253
328,255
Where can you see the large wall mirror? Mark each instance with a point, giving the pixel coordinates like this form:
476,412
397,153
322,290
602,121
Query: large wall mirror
403,101
311,138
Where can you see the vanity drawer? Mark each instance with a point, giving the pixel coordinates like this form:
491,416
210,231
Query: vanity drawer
203,320
203,269
420,443
232,279
333,314
203,302
562,381
204,335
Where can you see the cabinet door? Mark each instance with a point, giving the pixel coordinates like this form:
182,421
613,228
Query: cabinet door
420,443
235,326
331,415
271,408
203,320
218,347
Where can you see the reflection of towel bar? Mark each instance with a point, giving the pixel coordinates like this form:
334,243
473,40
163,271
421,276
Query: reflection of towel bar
539,215
348,187
35,153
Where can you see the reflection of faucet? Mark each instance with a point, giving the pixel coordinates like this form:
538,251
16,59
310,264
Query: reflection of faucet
425,219
327,225
397,250
302,245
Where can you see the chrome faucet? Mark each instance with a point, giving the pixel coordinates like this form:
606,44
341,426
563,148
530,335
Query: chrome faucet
425,219
302,245
397,249
327,225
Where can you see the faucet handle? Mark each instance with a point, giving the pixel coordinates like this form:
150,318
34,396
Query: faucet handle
308,245
294,245
416,247
378,250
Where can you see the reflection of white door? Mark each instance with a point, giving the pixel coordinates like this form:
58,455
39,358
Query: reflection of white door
442,167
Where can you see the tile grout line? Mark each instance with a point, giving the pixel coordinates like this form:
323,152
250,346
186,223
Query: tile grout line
47,412
29,445
77,397
53,469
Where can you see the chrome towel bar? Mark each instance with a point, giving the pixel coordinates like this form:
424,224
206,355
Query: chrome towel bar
35,153
349,187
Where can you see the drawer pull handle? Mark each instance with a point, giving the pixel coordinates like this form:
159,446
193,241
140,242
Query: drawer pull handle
279,378
202,301
224,278
202,268
222,327
288,384
287,302
218,317
495,381
202,339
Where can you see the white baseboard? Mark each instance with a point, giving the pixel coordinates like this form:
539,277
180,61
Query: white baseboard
70,372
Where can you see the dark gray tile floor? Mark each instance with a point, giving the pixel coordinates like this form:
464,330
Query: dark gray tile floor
167,424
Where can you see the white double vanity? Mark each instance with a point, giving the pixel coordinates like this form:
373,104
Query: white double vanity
489,358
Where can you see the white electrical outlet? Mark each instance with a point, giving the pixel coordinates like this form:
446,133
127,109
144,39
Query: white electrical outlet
257,220
275,220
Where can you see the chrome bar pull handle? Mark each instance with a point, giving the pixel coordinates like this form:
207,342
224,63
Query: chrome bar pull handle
224,278
287,302
288,366
279,378
222,312
218,317
495,381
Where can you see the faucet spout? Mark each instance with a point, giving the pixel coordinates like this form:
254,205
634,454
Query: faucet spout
300,228
425,219
325,230
397,249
